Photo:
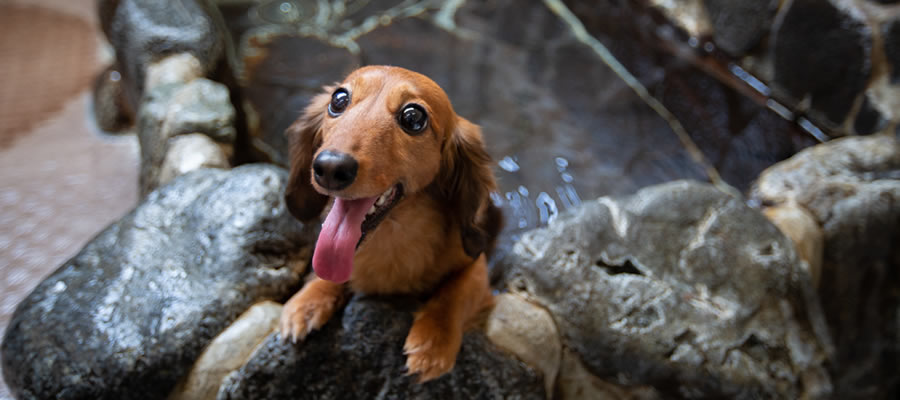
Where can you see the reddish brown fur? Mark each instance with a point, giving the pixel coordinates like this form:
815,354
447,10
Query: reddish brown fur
434,241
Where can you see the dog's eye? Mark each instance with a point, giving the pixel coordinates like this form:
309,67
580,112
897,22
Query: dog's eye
413,119
339,102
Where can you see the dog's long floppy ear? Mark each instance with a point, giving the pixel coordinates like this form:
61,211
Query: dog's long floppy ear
465,182
304,202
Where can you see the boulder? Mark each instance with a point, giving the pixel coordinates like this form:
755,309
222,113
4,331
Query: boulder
807,42
168,110
359,354
679,287
129,314
851,187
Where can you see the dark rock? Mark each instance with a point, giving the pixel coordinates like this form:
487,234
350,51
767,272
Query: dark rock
359,354
852,187
739,25
128,315
144,31
679,287
112,109
199,106
891,33
868,120
822,52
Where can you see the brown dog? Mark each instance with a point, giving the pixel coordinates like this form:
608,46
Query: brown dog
411,213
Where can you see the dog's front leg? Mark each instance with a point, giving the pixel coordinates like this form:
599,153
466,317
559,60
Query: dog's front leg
436,333
310,308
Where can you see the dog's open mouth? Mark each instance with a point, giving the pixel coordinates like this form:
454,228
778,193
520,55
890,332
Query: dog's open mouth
345,228
379,210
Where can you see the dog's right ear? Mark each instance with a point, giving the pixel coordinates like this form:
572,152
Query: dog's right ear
304,138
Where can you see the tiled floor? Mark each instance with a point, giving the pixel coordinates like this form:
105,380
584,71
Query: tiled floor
61,181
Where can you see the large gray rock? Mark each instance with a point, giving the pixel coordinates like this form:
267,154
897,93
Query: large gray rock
128,315
359,355
834,71
679,287
145,31
851,187
739,25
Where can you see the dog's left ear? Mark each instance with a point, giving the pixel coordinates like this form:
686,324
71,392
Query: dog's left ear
465,182
304,202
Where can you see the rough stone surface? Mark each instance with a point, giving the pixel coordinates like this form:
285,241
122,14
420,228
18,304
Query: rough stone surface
359,354
739,25
802,69
144,31
528,331
679,287
199,106
868,120
228,352
128,315
852,188
577,383
112,111
189,152
891,34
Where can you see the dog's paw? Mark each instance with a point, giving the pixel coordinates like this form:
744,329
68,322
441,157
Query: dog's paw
431,348
304,314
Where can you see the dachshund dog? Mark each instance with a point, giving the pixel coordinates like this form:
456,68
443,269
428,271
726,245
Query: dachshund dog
412,214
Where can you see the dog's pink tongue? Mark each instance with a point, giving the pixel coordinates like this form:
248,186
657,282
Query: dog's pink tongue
333,258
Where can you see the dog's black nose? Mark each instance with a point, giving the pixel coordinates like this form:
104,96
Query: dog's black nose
335,171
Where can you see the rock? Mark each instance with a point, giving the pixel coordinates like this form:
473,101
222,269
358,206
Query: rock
145,31
739,25
528,331
189,152
111,108
868,120
679,287
228,352
577,383
173,69
359,354
835,72
891,34
851,187
803,229
199,106
129,315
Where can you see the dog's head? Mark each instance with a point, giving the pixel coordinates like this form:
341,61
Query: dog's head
382,134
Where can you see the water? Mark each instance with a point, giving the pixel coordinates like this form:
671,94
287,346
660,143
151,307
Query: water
562,126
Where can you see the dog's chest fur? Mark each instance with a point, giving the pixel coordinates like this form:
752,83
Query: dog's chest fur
411,251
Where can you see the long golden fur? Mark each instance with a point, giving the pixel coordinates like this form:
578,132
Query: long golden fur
433,242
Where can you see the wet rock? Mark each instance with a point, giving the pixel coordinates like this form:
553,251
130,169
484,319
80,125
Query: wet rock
852,188
577,383
802,69
178,68
528,331
189,152
891,33
228,352
738,26
802,228
111,108
868,120
199,106
144,31
359,354
679,287
128,315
